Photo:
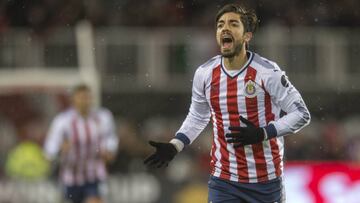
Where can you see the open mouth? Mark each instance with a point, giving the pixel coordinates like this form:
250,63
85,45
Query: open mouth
227,41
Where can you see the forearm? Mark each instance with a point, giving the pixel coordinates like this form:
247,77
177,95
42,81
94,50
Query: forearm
193,125
295,120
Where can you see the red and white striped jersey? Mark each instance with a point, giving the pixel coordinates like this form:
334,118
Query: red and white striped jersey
87,138
259,91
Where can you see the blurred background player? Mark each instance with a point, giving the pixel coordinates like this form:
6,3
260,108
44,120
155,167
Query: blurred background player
85,139
244,94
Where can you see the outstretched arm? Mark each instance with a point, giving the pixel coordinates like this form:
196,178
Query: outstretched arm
195,122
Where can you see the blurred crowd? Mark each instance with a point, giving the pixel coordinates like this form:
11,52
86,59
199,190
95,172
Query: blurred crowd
45,15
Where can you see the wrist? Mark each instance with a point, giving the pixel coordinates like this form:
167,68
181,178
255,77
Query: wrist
178,144
265,134
183,138
270,131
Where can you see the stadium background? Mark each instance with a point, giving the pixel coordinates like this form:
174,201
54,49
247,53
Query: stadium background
139,58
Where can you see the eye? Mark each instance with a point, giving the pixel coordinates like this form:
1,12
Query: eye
235,24
220,25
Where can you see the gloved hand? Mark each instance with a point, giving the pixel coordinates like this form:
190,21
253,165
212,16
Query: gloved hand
164,153
241,136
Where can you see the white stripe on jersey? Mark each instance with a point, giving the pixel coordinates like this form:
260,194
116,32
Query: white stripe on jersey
269,160
250,163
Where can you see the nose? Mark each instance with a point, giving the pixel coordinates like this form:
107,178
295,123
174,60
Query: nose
225,27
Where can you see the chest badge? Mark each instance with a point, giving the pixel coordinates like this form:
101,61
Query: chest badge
250,89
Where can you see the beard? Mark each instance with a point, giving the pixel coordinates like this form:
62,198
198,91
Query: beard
234,52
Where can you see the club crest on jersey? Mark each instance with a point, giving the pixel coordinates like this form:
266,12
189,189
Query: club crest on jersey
250,89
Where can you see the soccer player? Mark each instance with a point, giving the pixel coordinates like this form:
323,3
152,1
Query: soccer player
244,95
85,138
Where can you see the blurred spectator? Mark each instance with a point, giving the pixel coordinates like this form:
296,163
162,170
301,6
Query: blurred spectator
44,15
26,162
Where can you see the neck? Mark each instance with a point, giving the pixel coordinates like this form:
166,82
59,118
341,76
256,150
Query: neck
83,113
236,62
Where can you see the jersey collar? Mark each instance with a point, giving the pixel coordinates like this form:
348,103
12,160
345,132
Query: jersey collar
233,75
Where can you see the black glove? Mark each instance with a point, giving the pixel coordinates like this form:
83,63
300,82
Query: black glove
241,136
165,152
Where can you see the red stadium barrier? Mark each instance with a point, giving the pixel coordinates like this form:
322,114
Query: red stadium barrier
322,182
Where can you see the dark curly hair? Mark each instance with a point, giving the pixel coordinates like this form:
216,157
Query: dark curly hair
247,16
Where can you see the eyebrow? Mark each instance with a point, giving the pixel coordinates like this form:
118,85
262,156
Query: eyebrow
236,21
231,21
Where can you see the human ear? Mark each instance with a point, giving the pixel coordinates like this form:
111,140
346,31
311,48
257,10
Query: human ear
247,36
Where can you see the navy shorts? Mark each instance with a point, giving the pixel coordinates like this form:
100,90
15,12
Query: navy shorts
224,191
79,193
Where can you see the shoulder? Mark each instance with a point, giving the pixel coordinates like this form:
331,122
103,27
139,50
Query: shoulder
270,72
103,113
264,64
211,63
266,68
206,68
63,117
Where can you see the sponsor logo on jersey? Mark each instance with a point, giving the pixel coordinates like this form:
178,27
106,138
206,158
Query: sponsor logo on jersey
284,81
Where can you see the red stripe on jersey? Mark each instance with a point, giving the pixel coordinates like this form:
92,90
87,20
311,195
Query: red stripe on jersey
215,103
76,146
213,149
252,115
213,157
232,106
88,149
275,152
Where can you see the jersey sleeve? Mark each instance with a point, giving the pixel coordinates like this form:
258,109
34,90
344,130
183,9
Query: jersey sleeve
199,112
110,139
288,98
54,138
